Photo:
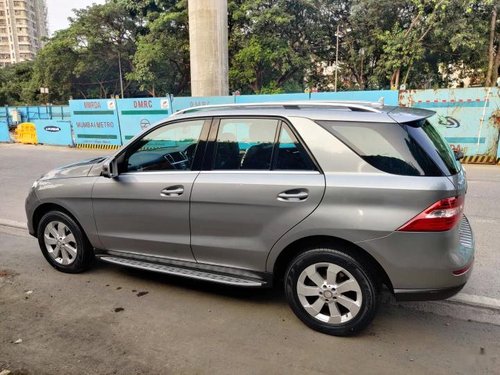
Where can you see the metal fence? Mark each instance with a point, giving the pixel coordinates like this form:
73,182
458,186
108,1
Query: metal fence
468,118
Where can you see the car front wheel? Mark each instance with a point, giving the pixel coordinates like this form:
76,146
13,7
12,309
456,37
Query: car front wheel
63,243
331,292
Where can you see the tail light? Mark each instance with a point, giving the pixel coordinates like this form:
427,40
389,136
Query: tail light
440,217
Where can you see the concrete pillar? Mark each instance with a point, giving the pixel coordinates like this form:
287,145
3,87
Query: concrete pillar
208,44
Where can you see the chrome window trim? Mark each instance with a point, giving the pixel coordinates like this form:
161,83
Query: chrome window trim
157,172
260,171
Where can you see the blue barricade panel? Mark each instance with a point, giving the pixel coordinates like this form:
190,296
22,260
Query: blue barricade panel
270,98
95,122
191,101
390,96
468,118
54,132
137,115
4,132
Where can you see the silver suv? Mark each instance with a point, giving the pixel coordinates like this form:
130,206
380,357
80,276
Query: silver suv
332,200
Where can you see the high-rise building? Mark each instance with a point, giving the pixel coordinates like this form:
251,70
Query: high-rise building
23,27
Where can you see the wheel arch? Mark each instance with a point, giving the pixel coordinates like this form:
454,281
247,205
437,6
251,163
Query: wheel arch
298,246
44,208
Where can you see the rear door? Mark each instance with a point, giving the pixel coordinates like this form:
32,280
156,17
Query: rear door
258,182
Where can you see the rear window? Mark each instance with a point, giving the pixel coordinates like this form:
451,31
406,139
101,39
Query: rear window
397,149
435,145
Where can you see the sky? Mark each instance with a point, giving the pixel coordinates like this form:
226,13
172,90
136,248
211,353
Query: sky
60,10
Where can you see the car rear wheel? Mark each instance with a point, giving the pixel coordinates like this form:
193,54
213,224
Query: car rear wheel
63,243
331,292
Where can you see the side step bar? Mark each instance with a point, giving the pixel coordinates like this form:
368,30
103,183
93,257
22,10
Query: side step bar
185,272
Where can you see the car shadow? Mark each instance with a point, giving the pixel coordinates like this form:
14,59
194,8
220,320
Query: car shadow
259,295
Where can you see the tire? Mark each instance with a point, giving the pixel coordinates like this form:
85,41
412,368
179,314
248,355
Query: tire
63,243
315,291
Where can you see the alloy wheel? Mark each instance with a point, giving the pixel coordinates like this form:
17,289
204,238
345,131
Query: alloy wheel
329,293
60,242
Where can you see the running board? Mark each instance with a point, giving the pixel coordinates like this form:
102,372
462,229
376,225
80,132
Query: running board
185,272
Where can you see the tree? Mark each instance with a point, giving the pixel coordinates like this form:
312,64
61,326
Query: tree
419,43
83,60
493,49
161,63
55,67
273,45
15,84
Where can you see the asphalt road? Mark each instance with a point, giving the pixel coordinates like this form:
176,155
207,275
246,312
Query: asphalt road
113,320
20,165
100,322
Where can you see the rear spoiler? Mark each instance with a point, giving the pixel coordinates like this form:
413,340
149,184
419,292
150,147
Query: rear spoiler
404,115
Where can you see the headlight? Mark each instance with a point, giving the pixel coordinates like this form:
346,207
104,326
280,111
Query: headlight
35,184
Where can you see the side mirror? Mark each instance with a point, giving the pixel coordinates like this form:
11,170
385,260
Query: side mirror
109,169
459,155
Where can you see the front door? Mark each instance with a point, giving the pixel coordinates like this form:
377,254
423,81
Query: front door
260,183
146,208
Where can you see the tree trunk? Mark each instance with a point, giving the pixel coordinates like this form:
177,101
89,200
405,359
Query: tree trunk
496,67
408,72
392,80
395,79
491,49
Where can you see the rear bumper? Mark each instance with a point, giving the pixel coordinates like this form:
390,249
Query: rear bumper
426,294
426,265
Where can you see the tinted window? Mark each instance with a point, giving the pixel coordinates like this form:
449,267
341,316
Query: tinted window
432,142
245,144
291,154
168,148
388,147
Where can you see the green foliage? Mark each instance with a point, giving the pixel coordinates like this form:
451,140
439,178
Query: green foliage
275,46
161,63
83,60
15,84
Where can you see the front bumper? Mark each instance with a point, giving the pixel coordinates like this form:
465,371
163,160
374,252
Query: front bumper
30,205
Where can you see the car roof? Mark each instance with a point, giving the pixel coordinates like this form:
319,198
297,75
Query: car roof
354,111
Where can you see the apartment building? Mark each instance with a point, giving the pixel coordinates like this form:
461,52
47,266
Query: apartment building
23,26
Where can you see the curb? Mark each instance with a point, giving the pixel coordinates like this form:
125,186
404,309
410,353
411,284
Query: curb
491,305
479,159
94,146
476,301
455,310
13,224
472,308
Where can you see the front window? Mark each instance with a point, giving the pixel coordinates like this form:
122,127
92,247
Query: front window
168,148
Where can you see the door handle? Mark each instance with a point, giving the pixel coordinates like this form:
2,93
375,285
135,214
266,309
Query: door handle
296,195
172,191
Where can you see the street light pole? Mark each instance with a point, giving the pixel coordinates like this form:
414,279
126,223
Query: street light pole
337,56
362,53
120,69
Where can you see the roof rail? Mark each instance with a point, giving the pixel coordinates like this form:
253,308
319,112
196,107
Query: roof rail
351,105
